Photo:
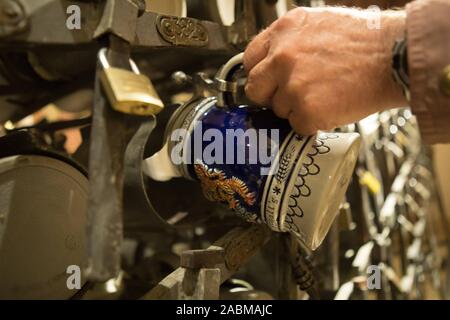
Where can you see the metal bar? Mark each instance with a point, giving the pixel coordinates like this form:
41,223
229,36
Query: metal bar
47,27
239,245
111,132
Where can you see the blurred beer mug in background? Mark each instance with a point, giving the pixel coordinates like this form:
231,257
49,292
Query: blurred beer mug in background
253,162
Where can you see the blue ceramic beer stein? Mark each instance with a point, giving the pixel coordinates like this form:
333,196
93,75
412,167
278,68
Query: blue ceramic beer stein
253,162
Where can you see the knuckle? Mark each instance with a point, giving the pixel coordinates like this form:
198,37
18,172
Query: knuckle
281,111
308,121
249,91
247,58
291,18
250,53
319,113
254,77
282,56
282,23
256,49
301,126
315,120
252,93
298,12
294,89
285,22
293,93
299,15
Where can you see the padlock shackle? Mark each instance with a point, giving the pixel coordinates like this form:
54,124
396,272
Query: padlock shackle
105,63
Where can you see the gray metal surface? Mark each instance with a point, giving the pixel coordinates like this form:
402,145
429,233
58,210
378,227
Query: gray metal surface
43,205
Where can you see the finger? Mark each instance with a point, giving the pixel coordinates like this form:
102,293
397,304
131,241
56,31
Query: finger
301,125
261,83
288,103
257,50
280,104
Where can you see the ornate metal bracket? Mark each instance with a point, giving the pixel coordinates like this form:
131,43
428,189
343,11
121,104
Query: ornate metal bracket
182,31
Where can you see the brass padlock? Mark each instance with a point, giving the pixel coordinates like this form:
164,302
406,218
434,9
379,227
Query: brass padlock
128,91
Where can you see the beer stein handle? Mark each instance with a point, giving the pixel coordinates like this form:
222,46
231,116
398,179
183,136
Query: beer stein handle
227,87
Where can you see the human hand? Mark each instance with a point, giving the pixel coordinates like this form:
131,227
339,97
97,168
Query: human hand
325,67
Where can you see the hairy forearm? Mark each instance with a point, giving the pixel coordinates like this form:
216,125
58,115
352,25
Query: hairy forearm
378,32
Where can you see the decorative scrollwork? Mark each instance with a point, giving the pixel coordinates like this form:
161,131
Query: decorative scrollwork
301,188
182,31
13,17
